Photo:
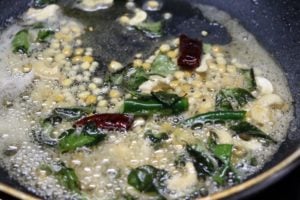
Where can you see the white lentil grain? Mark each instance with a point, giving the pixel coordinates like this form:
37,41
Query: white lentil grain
102,103
97,80
95,64
96,91
115,66
86,78
79,78
72,73
75,68
167,16
81,88
87,73
204,33
92,68
92,86
78,42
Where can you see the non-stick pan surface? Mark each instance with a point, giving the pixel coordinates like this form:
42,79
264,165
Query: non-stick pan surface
276,25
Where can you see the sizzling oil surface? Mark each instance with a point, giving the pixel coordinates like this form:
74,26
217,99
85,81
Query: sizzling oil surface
21,157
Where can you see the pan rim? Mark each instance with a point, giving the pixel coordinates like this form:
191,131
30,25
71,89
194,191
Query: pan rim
259,179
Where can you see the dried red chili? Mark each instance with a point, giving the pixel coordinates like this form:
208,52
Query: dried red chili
118,122
190,51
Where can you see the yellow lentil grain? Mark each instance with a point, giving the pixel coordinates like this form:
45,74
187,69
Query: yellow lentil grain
67,82
124,20
146,65
83,95
216,49
164,48
59,98
114,93
187,74
67,52
91,99
197,83
88,59
186,88
26,68
197,95
76,59
172,54
137,63
174,84
78,51
179,75
212,65
153,4
231,69
222,68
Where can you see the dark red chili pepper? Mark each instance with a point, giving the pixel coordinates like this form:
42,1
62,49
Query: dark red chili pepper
190,51
118,122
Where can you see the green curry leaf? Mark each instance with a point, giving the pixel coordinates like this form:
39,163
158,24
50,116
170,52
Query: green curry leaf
167,99
20,42
244,127
133,81
163,65
249,79
43,35
70,140
232,99
152,29
147,179
223,152
68,178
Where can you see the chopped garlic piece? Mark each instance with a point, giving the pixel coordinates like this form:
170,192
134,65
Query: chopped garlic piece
203,66
264,85
269,100
38,15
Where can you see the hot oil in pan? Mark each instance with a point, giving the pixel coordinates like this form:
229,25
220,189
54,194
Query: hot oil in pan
111,41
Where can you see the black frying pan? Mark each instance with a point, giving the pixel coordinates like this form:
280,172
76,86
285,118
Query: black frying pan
276,25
